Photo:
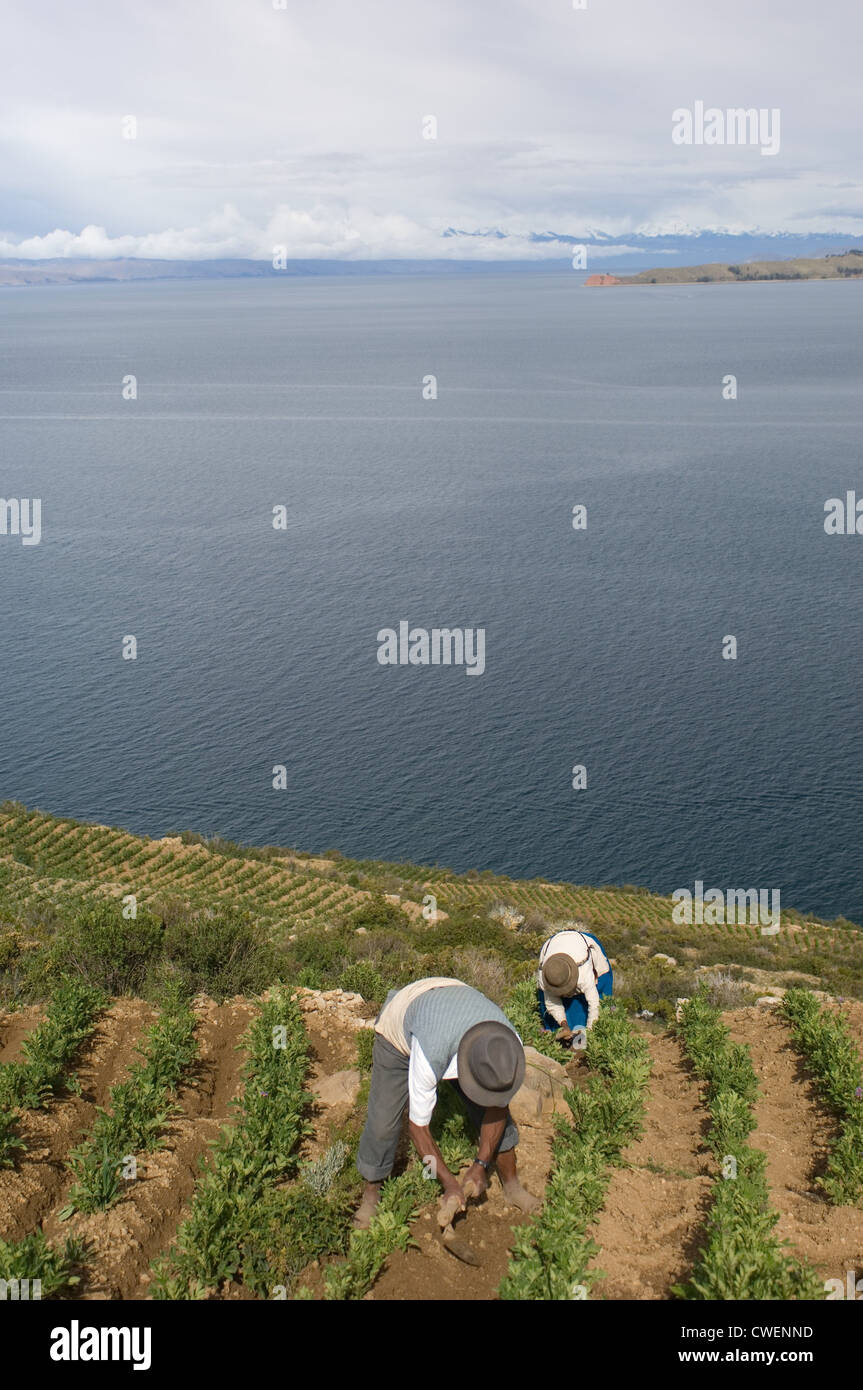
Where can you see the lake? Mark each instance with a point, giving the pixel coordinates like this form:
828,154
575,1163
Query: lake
257,647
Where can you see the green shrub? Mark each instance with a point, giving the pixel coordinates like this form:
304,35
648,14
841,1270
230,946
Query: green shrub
653,986
320,1174
362,978
464,930
393,955
221,955
172,909
298,1226
484,970
10,950
326,954
108,951
365,1044
377,912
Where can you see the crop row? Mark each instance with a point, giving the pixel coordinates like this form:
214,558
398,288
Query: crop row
224,1229
139,1109
47,1052
742,1257
822,1038
551,1254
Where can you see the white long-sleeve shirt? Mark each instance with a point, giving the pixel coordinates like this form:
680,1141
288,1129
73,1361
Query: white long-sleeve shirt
574,944
422,1084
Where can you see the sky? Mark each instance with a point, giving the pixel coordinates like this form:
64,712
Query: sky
302,127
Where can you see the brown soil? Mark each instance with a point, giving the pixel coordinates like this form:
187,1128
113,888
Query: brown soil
431,1272
649,1229
332,1048
124,1240
30,1190
14,1028
795,1131
650,1226
853,1011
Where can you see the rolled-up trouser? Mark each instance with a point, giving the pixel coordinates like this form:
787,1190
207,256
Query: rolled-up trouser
388,1097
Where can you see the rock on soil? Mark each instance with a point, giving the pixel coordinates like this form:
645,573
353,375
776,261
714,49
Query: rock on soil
342,1006
340,1089
542,1092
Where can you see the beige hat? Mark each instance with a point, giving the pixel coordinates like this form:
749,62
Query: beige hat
560,975
560,971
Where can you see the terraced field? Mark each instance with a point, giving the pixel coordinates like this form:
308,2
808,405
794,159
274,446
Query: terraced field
184,1146
46,859
647,1232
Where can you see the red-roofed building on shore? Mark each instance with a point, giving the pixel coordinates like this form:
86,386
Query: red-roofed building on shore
593,280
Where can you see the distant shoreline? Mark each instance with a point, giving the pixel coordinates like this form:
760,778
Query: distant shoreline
62,271
16,274
845,266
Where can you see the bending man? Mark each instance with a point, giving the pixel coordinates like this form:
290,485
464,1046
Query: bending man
442,1030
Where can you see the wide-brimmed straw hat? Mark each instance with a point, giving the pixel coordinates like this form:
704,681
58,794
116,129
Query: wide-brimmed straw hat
490,1063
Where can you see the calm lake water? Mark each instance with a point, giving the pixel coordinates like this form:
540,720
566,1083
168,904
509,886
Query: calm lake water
258,647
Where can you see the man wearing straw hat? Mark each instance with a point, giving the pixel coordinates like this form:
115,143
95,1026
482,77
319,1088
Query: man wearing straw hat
573,973
434,1030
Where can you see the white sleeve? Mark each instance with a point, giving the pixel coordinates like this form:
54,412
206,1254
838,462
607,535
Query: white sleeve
422,1087
591,996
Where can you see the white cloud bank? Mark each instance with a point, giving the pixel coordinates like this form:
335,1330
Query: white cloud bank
362,235
302,126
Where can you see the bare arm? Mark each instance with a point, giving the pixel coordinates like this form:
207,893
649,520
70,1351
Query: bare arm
423,1142
490,1134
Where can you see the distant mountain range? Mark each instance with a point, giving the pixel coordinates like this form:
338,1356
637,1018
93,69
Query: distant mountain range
611,254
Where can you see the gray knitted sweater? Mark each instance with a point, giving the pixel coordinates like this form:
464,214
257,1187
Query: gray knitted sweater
440,1018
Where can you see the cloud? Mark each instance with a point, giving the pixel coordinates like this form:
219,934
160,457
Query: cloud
358,234
303,126
361,235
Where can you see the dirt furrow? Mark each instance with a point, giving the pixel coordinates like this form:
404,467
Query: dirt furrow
124,1240
331,1049
650,1225
15,1027
430,1272
795,1131
29,1191
852,1009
